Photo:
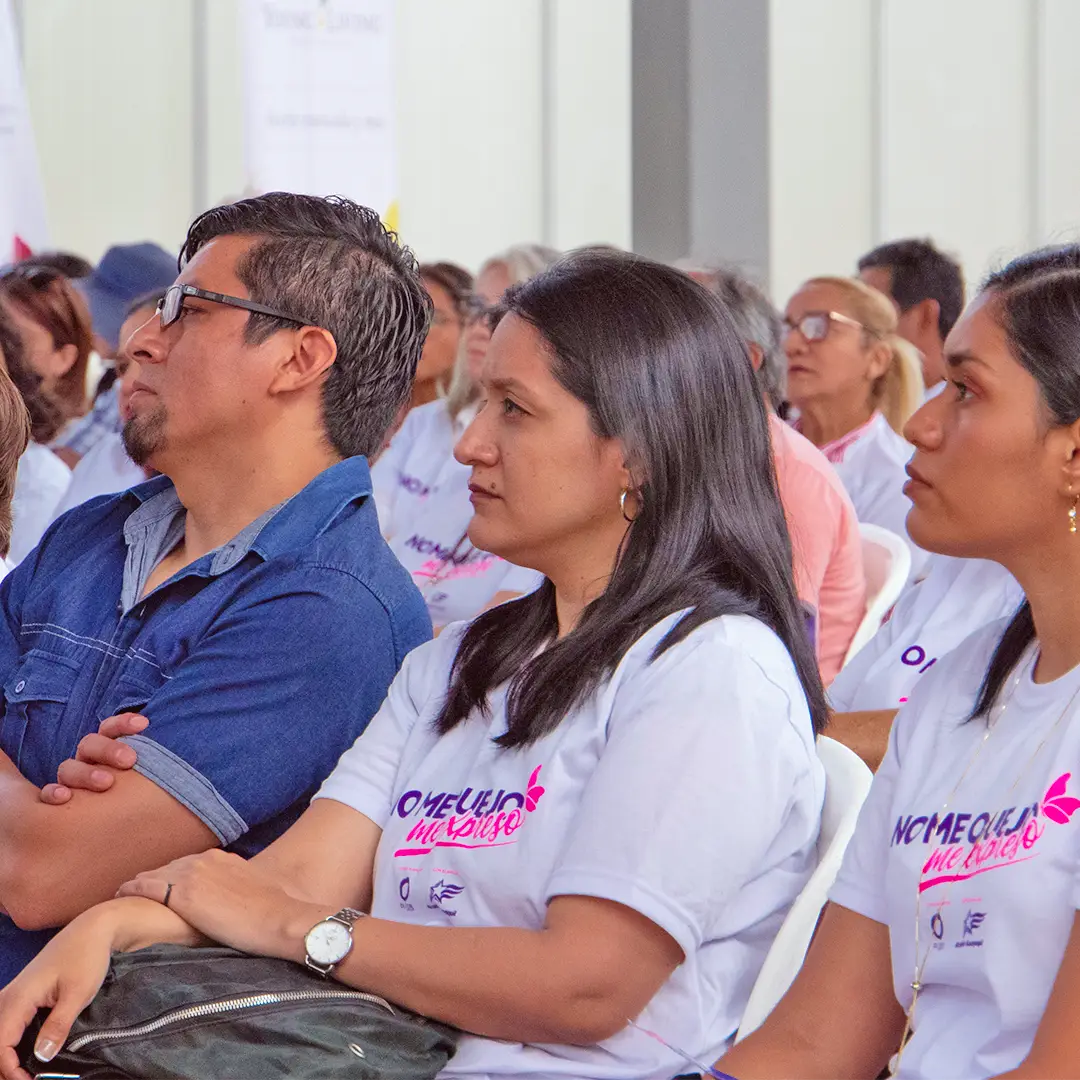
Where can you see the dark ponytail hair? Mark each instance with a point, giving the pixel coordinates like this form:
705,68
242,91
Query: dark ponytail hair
1038,306
660,366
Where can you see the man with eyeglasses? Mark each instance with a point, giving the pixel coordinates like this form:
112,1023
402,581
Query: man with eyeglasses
243,602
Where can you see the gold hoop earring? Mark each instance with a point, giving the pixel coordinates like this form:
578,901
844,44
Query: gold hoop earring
1072,514
622,507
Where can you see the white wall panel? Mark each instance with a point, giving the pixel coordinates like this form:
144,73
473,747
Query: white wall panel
822,97
1058,89
469,126
109,86
590,125
957,126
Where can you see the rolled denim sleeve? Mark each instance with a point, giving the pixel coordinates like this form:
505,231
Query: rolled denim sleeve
256,716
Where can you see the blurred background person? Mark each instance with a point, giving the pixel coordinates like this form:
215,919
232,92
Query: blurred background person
450,289
422,493
825,541
53,322
42,478
14,438
67,263
855,382
927,287
125,273
106,467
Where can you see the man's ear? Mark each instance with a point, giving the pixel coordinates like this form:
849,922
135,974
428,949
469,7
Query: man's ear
313,352
929,314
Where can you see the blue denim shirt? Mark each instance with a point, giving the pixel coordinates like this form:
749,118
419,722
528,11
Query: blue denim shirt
257,665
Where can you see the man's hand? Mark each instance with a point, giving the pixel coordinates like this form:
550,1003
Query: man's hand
84,771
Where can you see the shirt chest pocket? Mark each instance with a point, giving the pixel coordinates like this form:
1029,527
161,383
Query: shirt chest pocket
36,693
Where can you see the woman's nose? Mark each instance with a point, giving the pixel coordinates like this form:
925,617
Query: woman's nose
925,425
475,447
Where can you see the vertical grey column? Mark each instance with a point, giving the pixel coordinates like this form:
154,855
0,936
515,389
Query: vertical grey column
701,131
200,107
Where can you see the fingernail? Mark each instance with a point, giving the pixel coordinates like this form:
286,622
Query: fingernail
45,1050
99,777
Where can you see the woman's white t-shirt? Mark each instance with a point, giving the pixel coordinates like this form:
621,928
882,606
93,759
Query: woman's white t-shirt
104,470
992,854
40,484
956,598
870,461
422,495
688,789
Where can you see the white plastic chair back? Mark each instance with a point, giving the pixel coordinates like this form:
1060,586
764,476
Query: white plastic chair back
847,780
887,564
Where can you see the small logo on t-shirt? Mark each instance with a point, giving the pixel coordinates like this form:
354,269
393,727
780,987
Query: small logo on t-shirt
442,891
971,937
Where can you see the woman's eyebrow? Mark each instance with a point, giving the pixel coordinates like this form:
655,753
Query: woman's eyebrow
955,359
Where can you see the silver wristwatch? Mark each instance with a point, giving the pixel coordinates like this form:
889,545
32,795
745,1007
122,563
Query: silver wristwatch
328,942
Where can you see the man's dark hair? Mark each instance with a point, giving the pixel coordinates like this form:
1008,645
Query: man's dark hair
333,264
920,272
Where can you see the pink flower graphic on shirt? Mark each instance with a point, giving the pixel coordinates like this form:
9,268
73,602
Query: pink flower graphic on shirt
1058,806
533,791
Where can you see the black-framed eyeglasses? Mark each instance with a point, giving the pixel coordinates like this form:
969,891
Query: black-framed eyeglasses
172,304
814,325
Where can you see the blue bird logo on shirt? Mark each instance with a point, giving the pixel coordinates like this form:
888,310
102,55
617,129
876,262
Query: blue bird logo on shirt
972,921
442,891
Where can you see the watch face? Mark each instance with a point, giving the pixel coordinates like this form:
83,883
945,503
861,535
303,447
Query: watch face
328,942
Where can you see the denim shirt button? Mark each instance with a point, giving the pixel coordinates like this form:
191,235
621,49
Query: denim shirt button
20,686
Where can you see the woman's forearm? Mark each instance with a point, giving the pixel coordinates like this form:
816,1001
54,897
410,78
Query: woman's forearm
563,984
135,923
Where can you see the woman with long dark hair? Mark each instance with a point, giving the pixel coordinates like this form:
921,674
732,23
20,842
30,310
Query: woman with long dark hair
593,803
953,940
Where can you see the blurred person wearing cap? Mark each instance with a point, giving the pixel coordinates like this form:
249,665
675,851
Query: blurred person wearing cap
125,273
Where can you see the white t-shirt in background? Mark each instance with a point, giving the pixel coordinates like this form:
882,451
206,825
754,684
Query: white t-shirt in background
415,462
996,868
956,598
105,469
40,484
688,789
870,461
422,495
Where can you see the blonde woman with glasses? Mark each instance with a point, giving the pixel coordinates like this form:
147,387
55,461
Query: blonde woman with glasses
855,382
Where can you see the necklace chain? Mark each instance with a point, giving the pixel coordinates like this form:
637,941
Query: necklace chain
920,965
